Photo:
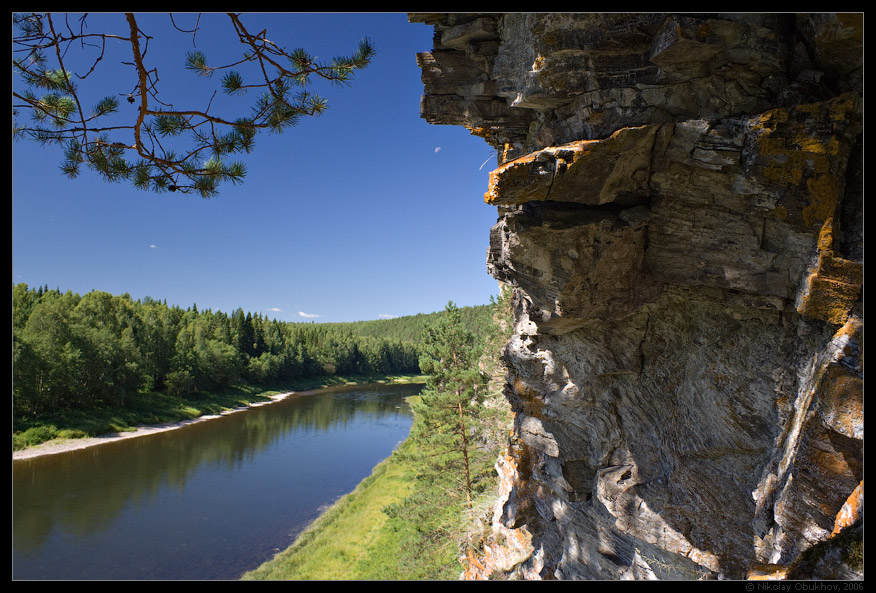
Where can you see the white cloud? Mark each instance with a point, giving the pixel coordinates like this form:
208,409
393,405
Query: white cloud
308,315
437,149
153,246
276,309
387,316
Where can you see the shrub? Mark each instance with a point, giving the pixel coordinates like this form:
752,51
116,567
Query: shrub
33,436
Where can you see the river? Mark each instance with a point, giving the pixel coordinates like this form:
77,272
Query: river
208,501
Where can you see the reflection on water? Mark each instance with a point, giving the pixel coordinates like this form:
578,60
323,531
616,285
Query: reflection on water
208,501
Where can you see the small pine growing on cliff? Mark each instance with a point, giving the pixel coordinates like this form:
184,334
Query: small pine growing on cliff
453,445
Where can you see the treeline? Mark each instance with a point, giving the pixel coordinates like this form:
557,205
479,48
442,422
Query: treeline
73,352
478,319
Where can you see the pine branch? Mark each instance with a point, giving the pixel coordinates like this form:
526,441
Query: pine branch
58,115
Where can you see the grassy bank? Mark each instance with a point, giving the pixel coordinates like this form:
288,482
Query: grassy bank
371,533
355,540
158,408
352,540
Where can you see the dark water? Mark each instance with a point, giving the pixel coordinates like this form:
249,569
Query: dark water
208,501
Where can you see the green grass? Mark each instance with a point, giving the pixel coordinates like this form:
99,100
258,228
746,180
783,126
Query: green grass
352,540
356,540
158,408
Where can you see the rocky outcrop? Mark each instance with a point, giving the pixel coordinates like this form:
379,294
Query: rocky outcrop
680,214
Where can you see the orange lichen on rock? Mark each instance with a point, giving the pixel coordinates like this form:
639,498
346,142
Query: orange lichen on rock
590,172
532,402
804,148
833,286
517,176
499,556
479,131
852,511
504,547
767,572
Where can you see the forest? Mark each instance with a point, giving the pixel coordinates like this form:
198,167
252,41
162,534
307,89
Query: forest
73,352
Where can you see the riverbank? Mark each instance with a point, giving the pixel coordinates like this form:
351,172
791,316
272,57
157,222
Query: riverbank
62,445
370,534
354,539
207,502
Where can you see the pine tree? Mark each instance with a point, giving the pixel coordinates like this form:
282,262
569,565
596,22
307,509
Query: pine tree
450,408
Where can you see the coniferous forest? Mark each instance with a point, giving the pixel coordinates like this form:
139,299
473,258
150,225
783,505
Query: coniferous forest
73,352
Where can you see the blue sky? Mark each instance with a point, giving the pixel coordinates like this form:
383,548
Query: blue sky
364,212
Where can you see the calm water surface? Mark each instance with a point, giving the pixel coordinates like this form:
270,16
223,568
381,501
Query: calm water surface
207,501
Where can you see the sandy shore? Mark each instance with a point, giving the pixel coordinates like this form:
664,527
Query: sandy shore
61,446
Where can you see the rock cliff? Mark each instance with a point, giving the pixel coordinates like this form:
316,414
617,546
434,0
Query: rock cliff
680,215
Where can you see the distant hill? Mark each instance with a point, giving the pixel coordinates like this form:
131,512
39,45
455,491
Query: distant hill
410,328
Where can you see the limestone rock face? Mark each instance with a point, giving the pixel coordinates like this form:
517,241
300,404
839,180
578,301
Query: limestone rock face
680,214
